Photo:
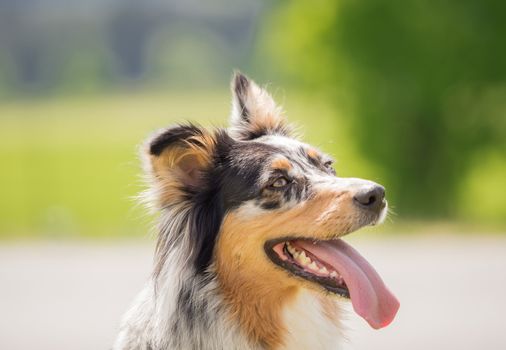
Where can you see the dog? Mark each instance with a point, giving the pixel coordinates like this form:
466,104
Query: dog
249,252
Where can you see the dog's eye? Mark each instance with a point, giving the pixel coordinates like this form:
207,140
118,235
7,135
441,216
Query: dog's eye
280,182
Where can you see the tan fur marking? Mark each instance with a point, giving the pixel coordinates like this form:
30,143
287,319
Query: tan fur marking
254,287
266,115
174,168
178,163
313,153
281,163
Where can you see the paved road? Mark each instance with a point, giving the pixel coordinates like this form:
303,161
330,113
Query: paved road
71,295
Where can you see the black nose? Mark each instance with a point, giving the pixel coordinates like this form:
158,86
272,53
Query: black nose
371,198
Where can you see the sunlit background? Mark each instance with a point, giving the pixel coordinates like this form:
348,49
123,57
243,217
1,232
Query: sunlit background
411,94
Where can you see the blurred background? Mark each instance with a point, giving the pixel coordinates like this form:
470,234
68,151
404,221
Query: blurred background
411,94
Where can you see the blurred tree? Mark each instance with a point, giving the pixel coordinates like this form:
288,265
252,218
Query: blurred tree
21,42
422,76
55,46
131,27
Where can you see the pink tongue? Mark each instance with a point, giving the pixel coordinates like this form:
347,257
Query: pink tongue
370,297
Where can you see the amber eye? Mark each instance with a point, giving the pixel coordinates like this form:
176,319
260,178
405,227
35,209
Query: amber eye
280,182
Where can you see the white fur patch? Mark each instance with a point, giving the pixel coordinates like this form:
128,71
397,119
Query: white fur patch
308,327
283,142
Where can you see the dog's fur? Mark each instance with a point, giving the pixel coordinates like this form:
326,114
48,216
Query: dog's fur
222,194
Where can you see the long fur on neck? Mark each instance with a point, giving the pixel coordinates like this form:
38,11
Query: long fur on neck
179,308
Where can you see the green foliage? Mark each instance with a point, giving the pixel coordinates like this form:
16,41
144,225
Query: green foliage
424,84
70,166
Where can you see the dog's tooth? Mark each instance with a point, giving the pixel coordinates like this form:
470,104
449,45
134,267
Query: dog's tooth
324,270
333,274
313,266
300,259
302,253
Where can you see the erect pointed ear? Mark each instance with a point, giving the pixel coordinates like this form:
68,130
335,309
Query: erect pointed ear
254,112
177,158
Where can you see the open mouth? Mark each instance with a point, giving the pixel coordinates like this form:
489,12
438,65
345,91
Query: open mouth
293,257
340,269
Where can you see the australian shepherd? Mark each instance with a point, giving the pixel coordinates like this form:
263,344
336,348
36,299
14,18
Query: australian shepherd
249,252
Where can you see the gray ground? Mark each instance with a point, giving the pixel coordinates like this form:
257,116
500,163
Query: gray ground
72,295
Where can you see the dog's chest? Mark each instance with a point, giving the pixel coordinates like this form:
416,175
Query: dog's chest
312,322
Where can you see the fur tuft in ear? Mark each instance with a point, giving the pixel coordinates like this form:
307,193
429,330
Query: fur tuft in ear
254,112
177,158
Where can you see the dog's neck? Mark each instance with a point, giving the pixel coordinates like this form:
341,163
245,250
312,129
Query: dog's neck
227,307
257,304
289,318
273,311
312,321
190,312
199,312
182,310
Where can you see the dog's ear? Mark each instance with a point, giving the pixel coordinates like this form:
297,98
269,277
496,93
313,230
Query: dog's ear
254,112
177,159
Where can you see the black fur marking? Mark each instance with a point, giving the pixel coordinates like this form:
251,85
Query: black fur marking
205,224
232,179
193,310
271,205
228,185
241,86
254,134
314,161
319,162
257,133
172,136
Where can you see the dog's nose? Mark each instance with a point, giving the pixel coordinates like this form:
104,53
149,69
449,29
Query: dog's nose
371,198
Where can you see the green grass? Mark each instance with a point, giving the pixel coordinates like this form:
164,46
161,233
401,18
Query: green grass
70,165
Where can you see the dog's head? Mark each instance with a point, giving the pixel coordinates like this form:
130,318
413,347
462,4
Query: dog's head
264,211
